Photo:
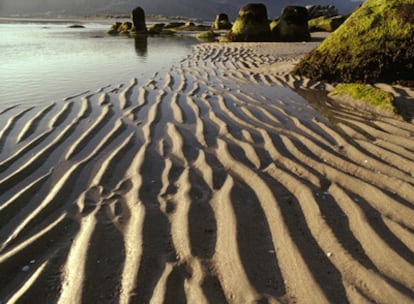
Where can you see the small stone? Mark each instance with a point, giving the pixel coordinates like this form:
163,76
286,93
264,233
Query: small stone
329,254
25,268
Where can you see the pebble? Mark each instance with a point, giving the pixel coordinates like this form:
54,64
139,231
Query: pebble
329,254
25,268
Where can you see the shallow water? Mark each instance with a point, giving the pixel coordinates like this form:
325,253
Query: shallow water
41,62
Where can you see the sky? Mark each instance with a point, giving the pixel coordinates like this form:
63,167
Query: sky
191,8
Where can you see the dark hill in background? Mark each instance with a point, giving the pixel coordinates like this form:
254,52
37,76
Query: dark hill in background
205,9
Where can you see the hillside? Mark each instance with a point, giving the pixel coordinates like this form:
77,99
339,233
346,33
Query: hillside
201,9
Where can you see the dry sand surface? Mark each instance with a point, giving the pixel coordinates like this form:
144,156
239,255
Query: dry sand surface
217,182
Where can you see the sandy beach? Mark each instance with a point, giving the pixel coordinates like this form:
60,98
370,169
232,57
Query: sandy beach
224,180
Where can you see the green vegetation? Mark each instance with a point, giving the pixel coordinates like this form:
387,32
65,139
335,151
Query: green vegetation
207,36
325,24
373,44
366,93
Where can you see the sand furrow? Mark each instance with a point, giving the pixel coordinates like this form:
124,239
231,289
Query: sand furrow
30,126
286,251
9,126
82,141
385,258
329,243
227,258
125,95
213,182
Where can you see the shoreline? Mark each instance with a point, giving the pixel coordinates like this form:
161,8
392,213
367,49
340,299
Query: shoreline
216,182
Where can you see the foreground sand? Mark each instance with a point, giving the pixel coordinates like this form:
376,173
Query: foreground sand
214,183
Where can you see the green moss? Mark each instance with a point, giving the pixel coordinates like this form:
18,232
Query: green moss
325,24
207,36
273,24
373,44
365,93
376,21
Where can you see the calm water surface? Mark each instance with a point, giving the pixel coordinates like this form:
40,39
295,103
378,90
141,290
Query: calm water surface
43,62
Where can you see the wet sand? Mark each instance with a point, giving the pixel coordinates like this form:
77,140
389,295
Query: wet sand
225,180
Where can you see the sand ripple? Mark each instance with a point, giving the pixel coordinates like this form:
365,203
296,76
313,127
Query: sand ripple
213,183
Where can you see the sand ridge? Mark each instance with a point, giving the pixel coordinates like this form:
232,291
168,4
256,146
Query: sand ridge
226,180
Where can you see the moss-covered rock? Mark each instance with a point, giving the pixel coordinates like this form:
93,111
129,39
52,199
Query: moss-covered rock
292,25
221,23
251,25
325,24
365,93
375,44
207,36
125,28
114,28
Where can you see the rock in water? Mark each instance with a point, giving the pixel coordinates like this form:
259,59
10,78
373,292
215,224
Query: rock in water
292,25
138,19
375,44
251,24
222,22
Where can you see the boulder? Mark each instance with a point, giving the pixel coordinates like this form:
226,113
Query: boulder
114,28
125,28
222,22
316,11
292,25
138,20
325,24
373,45
251,25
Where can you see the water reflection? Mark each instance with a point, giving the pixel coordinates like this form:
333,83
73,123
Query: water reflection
141,45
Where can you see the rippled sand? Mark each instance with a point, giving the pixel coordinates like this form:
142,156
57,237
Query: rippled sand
217,182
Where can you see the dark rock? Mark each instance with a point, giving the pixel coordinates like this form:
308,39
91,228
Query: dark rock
375,44
316,11
114,28
292,25
156,28
222,22
125,28
138,20
172,25
76,26
251,24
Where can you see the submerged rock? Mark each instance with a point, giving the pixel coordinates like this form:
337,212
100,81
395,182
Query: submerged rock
316,11
76,26
375,44
222,22
251,25
292,25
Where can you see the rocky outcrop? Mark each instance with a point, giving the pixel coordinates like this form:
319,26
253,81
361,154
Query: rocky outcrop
131,28
316,11
325,24
222,22
373,45
251,25
292,25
